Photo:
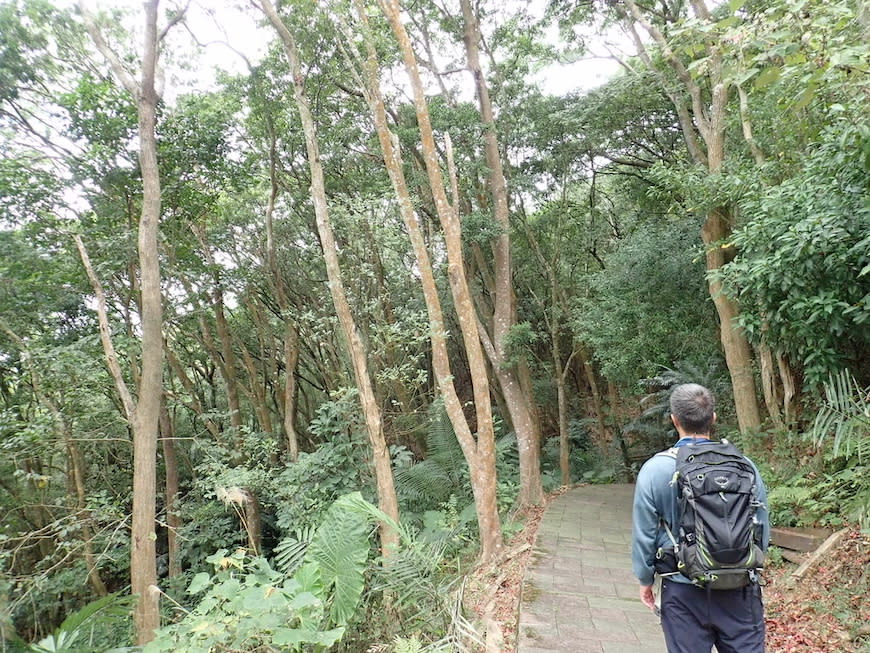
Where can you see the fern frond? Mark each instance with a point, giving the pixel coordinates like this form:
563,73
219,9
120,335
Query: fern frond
427,479
290,552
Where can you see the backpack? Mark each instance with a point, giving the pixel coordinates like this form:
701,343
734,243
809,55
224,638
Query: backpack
719,539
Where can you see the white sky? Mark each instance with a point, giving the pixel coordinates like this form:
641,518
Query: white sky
216,24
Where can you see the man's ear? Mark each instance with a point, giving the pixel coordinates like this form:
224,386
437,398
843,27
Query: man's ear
675,421
714,418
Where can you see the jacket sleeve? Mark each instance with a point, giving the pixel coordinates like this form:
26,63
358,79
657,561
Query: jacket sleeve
645,525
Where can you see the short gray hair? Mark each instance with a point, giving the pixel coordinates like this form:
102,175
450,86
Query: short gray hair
693,405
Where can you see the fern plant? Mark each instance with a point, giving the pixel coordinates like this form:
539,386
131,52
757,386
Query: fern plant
653,428
306,600
442,473
419,596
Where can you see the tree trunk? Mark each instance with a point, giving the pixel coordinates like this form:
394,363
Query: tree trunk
291,334
564,442
520,405
709,120
291,360
387,499
194,402
173,518
738,354
143,567
483,476
257,393
479,454
228,358
78,473
769,384
592,380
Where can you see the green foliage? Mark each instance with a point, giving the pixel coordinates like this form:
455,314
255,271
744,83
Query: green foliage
583,460
340,547
821,477
802,274
654,421
304,490
442,473
649,307
77,632
409,592
823,498
249,606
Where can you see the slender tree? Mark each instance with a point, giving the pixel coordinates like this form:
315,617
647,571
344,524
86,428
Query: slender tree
520,404
478,452
387,499
703,121
144,412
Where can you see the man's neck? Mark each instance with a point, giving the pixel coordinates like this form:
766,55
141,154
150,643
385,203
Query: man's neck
694,436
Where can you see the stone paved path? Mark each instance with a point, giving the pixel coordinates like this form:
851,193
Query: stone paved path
579,594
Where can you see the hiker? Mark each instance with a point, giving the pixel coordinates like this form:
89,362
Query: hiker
710,594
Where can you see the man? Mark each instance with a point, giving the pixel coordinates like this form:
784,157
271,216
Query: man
693,618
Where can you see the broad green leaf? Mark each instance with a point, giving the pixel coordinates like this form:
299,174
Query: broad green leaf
745,76
806,96
199,583
767,76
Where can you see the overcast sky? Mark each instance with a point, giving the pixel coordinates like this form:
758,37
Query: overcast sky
227,25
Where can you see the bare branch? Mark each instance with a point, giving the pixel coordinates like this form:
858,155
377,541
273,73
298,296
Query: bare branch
701,116
114,62
105,333
686,124
177,18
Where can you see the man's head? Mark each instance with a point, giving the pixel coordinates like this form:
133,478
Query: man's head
693,409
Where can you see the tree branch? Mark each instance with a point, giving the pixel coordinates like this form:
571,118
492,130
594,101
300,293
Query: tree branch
105,334
114,62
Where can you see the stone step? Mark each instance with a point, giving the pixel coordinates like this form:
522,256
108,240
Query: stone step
798,539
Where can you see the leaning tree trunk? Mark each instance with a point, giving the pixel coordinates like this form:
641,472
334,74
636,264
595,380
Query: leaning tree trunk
291,333
482,464
387,499
480,453
519,404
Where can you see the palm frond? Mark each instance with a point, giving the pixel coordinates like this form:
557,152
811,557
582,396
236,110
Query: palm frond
108,609
845,414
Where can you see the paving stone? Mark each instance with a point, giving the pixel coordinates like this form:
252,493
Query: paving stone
579,594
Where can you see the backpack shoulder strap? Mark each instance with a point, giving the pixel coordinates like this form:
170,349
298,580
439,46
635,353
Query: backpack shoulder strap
672,454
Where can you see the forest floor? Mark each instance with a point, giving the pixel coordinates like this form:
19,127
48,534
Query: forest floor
827,611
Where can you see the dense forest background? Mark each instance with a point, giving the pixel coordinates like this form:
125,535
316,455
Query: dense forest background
284,352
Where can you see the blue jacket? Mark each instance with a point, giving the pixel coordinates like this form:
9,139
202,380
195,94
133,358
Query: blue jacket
655,499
